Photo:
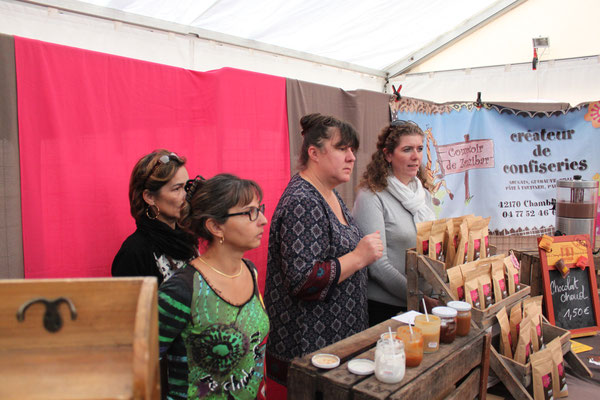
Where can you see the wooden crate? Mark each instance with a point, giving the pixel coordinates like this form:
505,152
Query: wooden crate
523,371
109,351
434,273
510,374
516,377
456,371
504,244
486,318
531,269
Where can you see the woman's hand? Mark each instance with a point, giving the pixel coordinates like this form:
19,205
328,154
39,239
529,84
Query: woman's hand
367,251
370,248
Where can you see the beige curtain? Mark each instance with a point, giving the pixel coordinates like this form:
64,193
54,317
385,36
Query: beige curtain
367,111
11,234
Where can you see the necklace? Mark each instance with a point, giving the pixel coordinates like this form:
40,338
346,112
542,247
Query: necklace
222,273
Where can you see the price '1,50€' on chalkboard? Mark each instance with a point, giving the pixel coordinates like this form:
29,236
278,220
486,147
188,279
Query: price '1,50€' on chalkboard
571,301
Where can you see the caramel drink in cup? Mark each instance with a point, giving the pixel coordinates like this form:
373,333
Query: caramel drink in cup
413,344
430,331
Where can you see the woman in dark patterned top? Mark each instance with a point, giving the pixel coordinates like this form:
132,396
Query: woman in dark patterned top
212,322
316,291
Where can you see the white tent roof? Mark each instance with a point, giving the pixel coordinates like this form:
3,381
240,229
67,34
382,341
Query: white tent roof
379,36
433,48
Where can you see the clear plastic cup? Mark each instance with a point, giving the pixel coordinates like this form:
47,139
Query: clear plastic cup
413,344
430,330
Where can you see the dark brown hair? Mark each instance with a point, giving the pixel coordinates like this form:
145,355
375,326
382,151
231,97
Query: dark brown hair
151,174
213,198
375,176
316,128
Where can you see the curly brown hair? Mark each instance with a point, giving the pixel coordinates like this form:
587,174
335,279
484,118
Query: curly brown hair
375,176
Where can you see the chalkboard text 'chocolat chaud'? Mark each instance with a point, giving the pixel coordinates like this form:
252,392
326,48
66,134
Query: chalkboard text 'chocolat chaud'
572,300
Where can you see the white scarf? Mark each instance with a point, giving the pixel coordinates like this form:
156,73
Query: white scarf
412,197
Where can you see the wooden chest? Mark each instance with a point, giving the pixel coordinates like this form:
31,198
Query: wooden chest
458,370
106,348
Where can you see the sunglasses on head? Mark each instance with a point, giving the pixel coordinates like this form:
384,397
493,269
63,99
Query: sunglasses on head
400,122
162,160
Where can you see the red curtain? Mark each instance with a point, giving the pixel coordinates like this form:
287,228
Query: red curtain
85,118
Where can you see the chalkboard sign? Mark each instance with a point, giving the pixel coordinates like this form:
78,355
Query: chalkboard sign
571,301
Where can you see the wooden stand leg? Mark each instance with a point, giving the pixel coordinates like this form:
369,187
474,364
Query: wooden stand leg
485,366
412,284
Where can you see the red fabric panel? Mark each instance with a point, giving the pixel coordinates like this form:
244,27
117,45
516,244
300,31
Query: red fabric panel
85,118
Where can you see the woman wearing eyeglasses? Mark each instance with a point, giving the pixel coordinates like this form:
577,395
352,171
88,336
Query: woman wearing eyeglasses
212,323
158,247
315,289
391,200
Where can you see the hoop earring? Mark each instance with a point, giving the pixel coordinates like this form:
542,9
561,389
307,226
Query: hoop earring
155,213
221,240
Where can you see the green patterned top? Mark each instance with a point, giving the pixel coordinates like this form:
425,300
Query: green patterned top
215,350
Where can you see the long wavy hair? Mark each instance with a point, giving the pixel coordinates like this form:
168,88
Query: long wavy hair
375,176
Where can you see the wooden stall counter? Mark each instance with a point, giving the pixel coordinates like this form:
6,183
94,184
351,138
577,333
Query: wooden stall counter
456,371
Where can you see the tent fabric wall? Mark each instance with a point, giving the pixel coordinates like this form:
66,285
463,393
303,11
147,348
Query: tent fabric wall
367,111
85,118
11,245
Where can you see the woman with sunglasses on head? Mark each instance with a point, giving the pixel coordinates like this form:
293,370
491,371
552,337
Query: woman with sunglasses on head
212,323
391,200
158,247
316,286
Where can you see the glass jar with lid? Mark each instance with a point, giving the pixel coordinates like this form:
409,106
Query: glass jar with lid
390,360
463,317
447,317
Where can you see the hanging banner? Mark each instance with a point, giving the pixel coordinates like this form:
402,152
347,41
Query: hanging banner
495,161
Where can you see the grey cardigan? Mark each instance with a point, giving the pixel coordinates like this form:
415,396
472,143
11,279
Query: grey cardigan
383,212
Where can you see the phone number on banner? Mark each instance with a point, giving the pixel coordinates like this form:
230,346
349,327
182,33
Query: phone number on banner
525,209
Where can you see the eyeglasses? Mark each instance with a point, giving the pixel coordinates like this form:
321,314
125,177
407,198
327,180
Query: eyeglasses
162,160
252,213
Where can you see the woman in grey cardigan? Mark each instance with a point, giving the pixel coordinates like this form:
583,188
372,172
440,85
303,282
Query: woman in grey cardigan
391,200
